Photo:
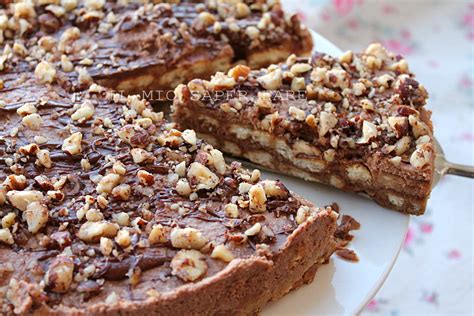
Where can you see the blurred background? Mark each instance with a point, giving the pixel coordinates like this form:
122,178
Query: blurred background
434,273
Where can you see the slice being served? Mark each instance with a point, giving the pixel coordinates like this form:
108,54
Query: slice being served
356,122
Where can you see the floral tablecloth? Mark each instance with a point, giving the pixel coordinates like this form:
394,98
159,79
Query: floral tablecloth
434,273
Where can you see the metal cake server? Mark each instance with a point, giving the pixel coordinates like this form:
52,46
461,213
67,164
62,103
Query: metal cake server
444,167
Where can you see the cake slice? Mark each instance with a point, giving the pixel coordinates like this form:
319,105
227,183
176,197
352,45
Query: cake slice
357,122
148,49
107,209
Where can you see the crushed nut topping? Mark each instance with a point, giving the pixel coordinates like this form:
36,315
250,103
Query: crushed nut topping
188,238
189,265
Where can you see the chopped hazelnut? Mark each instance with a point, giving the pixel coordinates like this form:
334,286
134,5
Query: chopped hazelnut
44,158
92,231
45,72
122,218
25,10
255,176
296,113
33,121
264,100
140,155
252,32
145,178
94,215
222,253
377,50
122,192
272,80
6,236
183,188
85,164
419,128
298,84
15,182
36,216
291,60
106,246
204,178
188,238
59,276
369,132
108,183
180,169
8,220
346,57
84,113
385,80
303,213
123,238
300,68
397,124
242,10
26,109
218,161
21,199
326,122
254,230
158,235
206,18
239,72
20,49
274,189
231,210
189,136
72,144
402,145
222,82
421,156
188,265
311,121
66,64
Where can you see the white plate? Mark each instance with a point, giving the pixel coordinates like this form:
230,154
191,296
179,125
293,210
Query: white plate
341,287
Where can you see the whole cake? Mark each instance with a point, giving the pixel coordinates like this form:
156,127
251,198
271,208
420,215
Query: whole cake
106,208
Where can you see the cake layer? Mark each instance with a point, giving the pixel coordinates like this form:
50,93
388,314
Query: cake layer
356,122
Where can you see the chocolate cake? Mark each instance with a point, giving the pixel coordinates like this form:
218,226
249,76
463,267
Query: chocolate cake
107,209
357,122
149,49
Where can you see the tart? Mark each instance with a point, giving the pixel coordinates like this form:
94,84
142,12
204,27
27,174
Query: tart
106,208
357,122
149,49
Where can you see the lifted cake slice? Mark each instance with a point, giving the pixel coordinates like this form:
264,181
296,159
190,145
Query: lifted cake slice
356,122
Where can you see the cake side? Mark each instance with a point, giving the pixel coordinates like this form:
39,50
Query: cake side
245,285
357,122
